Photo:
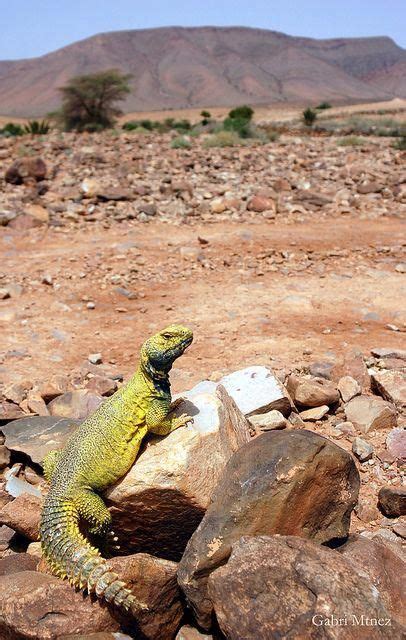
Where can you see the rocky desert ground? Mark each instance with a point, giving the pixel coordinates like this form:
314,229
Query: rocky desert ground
288,257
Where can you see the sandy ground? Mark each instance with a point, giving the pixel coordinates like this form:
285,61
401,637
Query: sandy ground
241,310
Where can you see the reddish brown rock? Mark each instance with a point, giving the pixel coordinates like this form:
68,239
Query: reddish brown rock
16,563
41,607
391,385
392,501
102,386
348,388
23,515
368,413
396,445
287,587
312,392
27,167
53,388
288,482
259,204
153,581
190,633
75,404
10,411
353,365
4,456
384,568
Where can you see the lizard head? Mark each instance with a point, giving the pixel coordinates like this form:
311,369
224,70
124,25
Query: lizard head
162,349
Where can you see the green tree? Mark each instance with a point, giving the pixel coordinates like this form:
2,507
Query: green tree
89,103
206,115
309,117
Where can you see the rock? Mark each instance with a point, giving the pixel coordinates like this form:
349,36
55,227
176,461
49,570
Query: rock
150,209
36,405
268,421
288,587
190,633
312,392
392,501
26,167
16,563
153,581
348,388
38,212
259,204
103,635
4,456
362,449
321,369
102,386
54,387
77,405
376,561
6,535
15,393
36,436
391,385
10,411
160,502
23,515
353,365
369,187
35,549
400,529
388,352
396,444
257,390
218,205
369,413
6,217
288,482
16,486
41,607
95,358
4,294
311,415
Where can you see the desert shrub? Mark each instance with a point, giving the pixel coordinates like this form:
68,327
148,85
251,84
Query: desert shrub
12,130
400,144
89,102
323,105
351,141
222,139
270,131
244,113
181,143
309,117
239,120
206,117
37,128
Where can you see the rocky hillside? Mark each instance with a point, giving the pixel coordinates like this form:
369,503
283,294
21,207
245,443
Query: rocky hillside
178,67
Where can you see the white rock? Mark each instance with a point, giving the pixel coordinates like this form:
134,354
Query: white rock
316,413
257,390
268,421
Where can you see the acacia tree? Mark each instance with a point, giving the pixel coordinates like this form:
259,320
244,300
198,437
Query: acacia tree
89,103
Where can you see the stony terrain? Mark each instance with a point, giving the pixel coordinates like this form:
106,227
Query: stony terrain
289,257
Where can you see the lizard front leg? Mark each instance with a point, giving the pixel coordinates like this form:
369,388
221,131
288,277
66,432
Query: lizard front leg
159,420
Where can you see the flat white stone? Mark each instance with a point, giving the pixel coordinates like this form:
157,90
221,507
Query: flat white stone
256,390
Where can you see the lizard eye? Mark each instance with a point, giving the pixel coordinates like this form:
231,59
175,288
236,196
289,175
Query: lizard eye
167,336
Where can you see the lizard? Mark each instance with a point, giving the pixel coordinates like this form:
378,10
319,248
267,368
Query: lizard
100,452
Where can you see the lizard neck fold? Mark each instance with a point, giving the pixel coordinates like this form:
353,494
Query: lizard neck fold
159,378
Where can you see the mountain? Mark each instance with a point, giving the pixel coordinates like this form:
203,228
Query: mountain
176,67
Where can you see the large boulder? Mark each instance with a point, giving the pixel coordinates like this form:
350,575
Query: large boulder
35,436
286,587
287,482
16,563
384,567
392,501
160,502
37,606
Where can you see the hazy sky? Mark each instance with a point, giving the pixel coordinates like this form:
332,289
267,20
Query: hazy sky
33,27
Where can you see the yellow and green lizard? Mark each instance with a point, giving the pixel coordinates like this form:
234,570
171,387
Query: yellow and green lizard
101,451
